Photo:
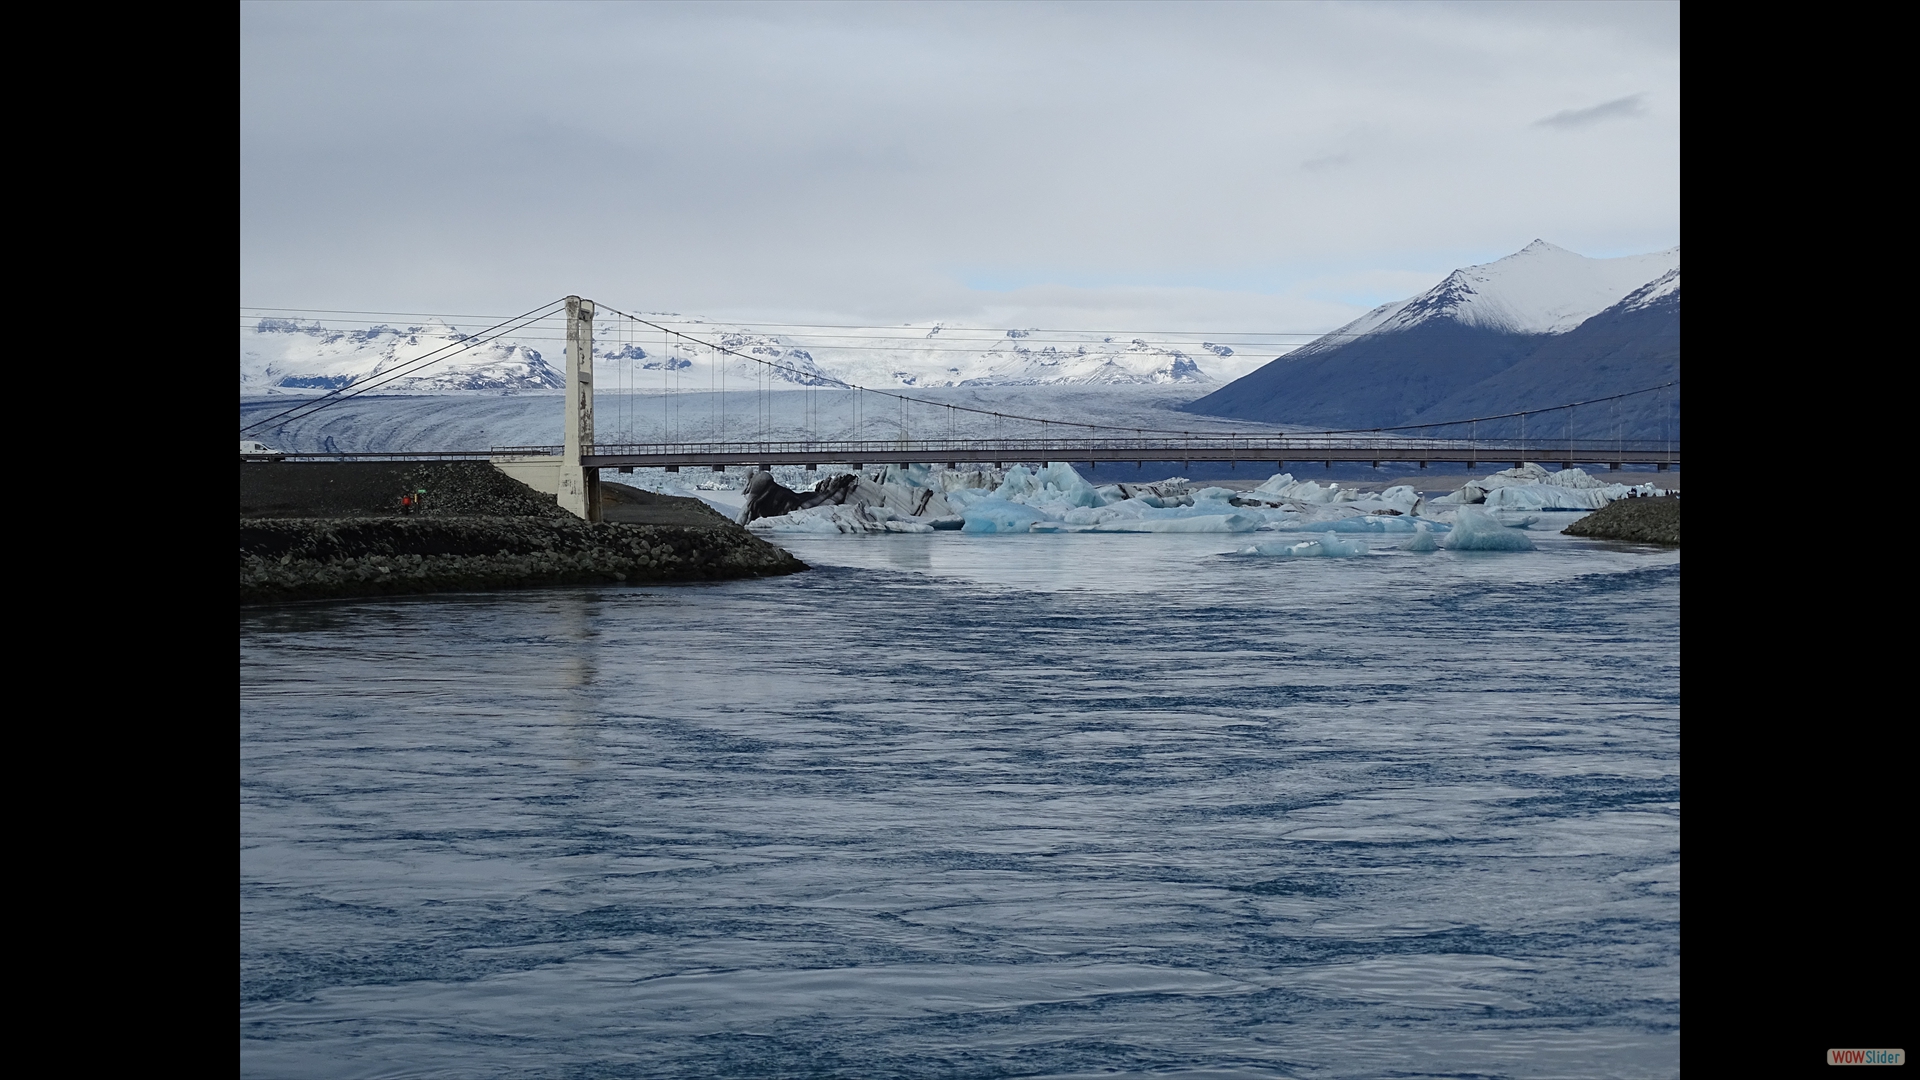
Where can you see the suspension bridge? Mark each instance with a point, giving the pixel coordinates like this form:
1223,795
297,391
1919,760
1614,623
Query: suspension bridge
570,470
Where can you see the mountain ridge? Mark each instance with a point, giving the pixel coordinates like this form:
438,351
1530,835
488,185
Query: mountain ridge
1539,328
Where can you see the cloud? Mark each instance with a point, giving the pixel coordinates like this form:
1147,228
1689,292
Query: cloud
832,162
1624,108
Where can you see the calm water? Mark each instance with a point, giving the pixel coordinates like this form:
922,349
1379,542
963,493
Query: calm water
975,807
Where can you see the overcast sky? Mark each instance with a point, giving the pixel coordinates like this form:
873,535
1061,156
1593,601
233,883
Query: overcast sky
1224,167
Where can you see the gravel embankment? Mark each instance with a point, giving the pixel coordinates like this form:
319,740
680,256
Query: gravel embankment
1645,521
316,531
341,489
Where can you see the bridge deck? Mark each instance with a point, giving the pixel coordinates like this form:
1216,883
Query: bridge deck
1001,452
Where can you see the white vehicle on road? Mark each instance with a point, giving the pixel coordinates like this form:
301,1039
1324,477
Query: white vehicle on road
259,451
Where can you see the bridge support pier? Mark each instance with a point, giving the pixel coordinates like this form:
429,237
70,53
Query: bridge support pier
579,487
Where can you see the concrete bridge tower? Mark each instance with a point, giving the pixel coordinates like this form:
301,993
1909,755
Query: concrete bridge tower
579,487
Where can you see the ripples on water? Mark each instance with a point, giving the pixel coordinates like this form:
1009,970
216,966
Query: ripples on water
975,807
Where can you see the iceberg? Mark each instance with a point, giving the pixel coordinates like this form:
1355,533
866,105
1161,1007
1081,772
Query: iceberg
1057,483
819,521
1209,523
1056,498
1533,487
999,515
1476,530
1327,547
1378,525
1422,540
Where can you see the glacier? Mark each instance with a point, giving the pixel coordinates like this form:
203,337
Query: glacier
311,357
287,356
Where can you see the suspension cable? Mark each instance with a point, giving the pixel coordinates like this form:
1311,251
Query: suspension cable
372,380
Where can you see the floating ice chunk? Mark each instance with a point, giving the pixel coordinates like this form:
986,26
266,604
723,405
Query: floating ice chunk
1223,523
1575,478
1072,488
1532,487
1553,497
899,498
1019,483
962,497
1057,487
1303,491
1422,539
1275,484
1377,524
1309,517
1514,519
1476,530
1400,499
958,480
914,476
1327,547
998,515
828,519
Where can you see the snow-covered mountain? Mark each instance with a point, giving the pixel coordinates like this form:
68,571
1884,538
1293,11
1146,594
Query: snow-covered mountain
1540,289
917,355
935,354
286,356
281,356
1541,327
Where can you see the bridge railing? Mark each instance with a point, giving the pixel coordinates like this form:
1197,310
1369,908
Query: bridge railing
1301,447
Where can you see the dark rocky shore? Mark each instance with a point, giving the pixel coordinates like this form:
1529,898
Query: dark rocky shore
314,531
1645,521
